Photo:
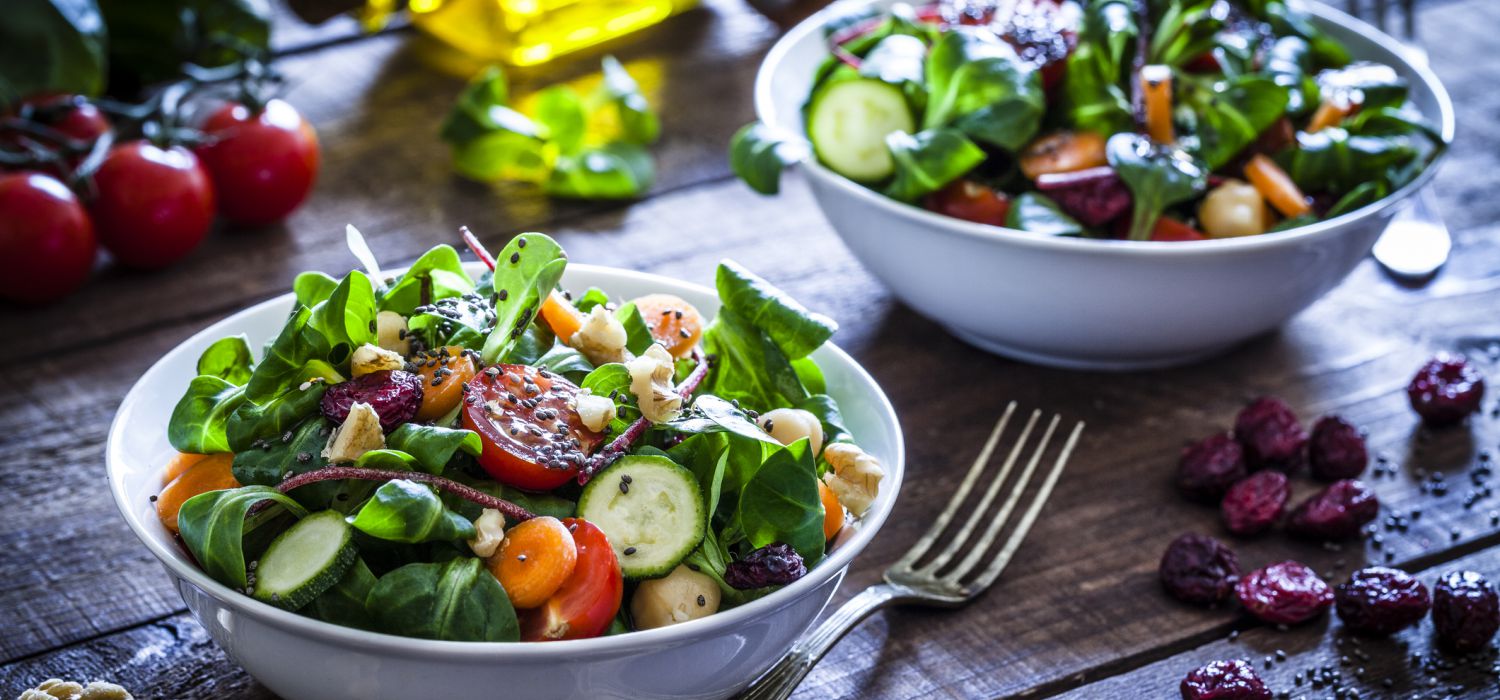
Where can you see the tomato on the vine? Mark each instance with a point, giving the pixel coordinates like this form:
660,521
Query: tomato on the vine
262,163
533,438
71,115
45,236
587,602
154,204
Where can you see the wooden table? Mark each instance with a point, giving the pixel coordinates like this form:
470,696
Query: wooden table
1079,611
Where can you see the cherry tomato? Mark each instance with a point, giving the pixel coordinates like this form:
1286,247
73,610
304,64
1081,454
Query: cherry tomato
262,164
155,204
1170,229
970,201
533,438
72,115
588,601
46,238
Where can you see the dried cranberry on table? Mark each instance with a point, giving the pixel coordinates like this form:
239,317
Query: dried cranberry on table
1335,513
1255,502
1210,466
1199,569
1446,390
1224,680
1465,611
1336,450
394,394
1284,594
772,565
1380,601
1271,435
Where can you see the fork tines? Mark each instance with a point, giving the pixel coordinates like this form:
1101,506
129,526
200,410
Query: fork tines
971,554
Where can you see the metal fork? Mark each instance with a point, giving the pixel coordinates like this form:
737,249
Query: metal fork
922,579
1416,242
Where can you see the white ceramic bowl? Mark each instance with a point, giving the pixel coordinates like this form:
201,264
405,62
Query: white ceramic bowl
1088,303
298,657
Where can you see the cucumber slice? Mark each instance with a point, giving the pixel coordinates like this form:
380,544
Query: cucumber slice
650,509
848,122
309,558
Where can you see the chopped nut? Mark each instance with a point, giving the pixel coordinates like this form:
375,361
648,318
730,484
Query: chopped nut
602,337
854,476
789,425
369,358
358,434
595,411
390,333
490,529
58,689
651,383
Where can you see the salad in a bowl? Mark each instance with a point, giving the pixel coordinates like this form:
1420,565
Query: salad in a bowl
1165,120
431,455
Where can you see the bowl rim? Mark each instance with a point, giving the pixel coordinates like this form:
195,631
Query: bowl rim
766,112
177,565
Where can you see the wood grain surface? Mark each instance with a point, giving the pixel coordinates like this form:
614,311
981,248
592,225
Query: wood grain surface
1079,609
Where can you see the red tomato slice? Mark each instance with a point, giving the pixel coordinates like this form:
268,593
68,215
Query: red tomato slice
970,201
588,601
1170,229
533,437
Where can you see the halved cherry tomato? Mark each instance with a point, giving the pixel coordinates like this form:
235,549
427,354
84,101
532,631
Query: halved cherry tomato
443,372
533,437
1170,229
180,464
588,601
970,201
212,473
674,323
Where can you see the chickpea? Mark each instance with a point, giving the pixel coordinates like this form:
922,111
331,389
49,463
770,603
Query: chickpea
680,596
390,333
1233,209
789,425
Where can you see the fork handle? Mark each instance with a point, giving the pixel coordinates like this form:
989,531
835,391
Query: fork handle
779,682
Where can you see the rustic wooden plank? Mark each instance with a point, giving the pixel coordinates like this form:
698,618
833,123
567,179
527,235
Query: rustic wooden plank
1405,665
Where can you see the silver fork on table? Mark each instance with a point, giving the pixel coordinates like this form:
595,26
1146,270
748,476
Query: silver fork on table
922,578
1416,242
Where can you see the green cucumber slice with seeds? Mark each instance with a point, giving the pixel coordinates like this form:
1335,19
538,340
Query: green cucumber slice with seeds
650,509
848,121
306,560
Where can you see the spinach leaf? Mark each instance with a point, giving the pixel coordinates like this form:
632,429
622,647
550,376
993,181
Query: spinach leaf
977,83
270,463
213,527
438,270
928,160
810,375
637,334
295,356
1285,19
1035,212
899,59
758,154
617,170
228,359
1365,193
789,324
1333,160
406,511
613,380
711,414
1289,64
252,421
199,420
1231,114
51,46
526,271
463,321
591,297
433,446
706,456
827,410
312,287
565,361
395,460
344,603
751,367
780,503
346,319
1369,85
1185,30
1157,176
537,503
637,122
456,601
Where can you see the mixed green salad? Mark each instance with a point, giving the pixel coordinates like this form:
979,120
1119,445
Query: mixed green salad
497,459
1138,119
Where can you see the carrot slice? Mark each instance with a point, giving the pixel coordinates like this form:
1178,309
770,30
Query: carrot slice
1331,112
1276,186
833,511
674,323
1063,152
561,316
178,465
1156,87
535,559
212,473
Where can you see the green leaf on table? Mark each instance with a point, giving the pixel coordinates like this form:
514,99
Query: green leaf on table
1035,212
51,46
198,422
977,83
229,359
758,154
272,419
438,274
612,171
637,122
481,109
458,600
503,155
406,511
213,526
526,271
927,161
433,446
780,503
559,110
1157,176
795,329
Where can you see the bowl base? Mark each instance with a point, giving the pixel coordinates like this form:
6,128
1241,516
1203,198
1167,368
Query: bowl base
1086,362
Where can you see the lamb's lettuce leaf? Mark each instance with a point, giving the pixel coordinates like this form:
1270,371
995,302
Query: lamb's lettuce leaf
229,358
438,274
271,420
198,422
526,271
406,511
457,600
213,526
433,446
788,323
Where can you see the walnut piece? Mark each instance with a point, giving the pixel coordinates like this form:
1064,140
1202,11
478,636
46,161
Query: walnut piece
359,434
854,476
651,383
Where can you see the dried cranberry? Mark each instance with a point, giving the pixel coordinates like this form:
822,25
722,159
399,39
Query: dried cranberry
1380,601
1093,196
1224,680
1465,611
1199,569
1336,450
395,395
1255,502
1335,513
1446,390
1284,594
1210,466
771,565
1268,430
